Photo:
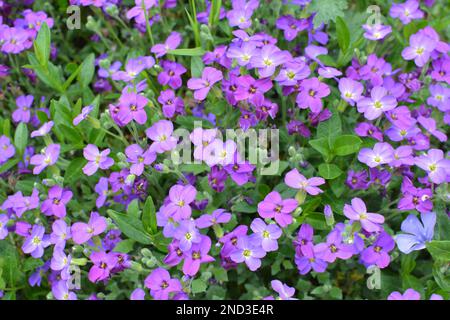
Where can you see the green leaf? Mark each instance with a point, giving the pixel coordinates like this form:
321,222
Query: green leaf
87,70
330,128
124,246
322,146
133,209
329,171
74,170
440,250
326,10
8,165
244,207
21,137
194,168
188,122
198,286
149,216
10,264
197,66
346,144
214,13
131,227
42,45
343,34
188,52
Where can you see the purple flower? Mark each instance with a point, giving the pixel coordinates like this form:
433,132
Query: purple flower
48,158
103,265
171,74
36,242
430,125
367,129
133,68
284,291
378,253
61,262
376,31
172,42
357,180
43,130
60,291
296,180
132,107
161,284
308,260
265,235
251,89
96,159
357,212
381,153
230,240
60,233
311,92
267,59
201,86
416,234
161,134
137,294
406,11
7,149
378,103
248,250
196,256
351,90
170,103
403,155
410,294
434,163
3,226
217,178
415,198
439,97
56,201
83,115
101,188
187,235
334,248
138,158
83,232
239,171
216,217
240,15
243,53
273,206
291,26
375,69
23,113
179,199
419,50
293,71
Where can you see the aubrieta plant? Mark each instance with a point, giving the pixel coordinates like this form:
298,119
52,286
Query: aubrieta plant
122,175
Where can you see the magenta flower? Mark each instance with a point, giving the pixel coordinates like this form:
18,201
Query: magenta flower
216,217
268,58
23,112
415,198
296,180
376,31
292,72
36,242
382,153
3,226
243,53
291,26
83,232
171,104
311,93
56,201
378,253
161,134
83,115
406,11
266,234
171,74
133,68
273,206
103,265
196,256
284,291
187,235
48,158
434,163
132,107
308,260
251,89
351,90
96,159
410,294
248,250
60,291
43,130
7,149
161,285
172,42
138,158
179,199
357,212
439,97
201,86
61,262
334,248
101,188
378,103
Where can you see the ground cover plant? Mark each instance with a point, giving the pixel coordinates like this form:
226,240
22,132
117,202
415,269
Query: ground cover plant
224,149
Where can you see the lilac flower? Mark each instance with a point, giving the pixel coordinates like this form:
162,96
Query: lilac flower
3,226
172,42
273,206
60,233
230,240
434,163
251,89
137,294
284,291
60,291
381,153
103,265
416,234
42,131
439,97
83,232
196,256
378,253
202,138
265,235
187,235
179,199
170,103
267,59
403,155
61,262
409,294
351,90
48,158
419,50
96,159
101,188
201,86
309,260
23,113
240,15
36,242
376,31
406,11
293,71
106,73
248,250
367,129
357,212
334,248
239,171
329,72
56,201
357,180
415,198
132,107
378,103
83,115
218,152
291,26
216,217
401,117
217,178
161,285
296,180
171,74
430,125
138,158
161,134
7,149
15,40
243,53
311,92
134,67
375,69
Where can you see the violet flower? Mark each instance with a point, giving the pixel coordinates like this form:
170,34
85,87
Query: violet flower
96,159
296,180
248,250
266,234
273,206
83,232
161,285
138,158
357,212
48,158
416,234
36,242
201,86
